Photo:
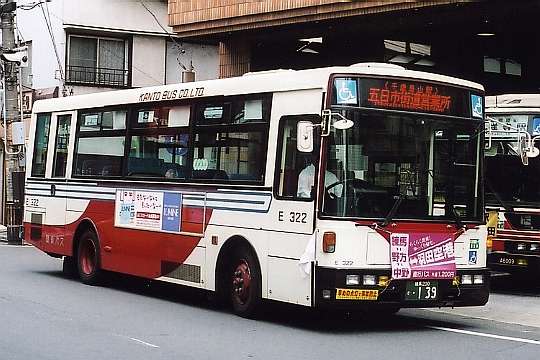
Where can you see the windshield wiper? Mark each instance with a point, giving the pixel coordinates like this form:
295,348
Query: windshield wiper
456,218
393,210
506,207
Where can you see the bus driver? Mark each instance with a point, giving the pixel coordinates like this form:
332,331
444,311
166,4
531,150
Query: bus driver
306,178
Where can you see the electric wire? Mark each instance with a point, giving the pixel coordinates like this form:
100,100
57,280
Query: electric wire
53,40
179,45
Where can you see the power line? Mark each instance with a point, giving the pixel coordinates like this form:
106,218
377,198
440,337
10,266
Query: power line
167,33
51,34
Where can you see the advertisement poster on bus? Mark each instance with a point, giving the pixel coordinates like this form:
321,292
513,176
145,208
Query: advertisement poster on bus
148,210
422,256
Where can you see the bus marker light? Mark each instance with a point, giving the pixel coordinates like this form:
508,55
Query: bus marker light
522,262
455,281
369,280
352,280
384,280
466,279
329,242
478,279
214,240
326,294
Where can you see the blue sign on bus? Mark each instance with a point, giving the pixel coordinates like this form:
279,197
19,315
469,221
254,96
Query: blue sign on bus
172,211
477,106
346,91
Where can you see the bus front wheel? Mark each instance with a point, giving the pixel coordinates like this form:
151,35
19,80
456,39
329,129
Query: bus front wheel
245,283
88,262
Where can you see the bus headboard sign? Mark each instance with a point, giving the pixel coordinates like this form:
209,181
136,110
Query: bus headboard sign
407,95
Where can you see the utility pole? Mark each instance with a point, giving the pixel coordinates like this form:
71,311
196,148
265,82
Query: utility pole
14,151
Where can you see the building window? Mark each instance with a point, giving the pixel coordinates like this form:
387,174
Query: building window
502,66
408,53
97,61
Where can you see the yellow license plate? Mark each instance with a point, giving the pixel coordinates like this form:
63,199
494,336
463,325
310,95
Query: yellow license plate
356,294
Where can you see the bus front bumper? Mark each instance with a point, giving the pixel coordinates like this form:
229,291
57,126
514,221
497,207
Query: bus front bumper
331,291
514,263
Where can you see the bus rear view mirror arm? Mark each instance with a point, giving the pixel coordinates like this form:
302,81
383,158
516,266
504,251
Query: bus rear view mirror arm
304,129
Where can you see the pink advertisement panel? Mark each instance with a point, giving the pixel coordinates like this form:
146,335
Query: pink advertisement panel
422,256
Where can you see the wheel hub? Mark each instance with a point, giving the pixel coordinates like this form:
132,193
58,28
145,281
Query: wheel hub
88,257
241,281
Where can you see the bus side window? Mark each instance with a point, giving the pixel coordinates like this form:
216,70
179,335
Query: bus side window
39,159
295,171
61,147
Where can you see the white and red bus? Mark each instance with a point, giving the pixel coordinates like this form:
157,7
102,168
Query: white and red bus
513,188
347,187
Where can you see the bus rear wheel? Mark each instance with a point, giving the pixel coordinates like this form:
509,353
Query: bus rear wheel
245,284
88,262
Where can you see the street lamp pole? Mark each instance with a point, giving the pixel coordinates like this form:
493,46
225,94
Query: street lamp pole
14,150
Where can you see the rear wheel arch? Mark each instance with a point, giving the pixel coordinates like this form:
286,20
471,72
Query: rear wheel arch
84,225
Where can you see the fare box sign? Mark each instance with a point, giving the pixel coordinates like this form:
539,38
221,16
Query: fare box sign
148,210
422,256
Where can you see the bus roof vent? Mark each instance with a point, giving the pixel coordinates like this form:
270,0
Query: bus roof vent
379,65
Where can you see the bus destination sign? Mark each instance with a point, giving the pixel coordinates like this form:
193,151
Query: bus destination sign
404,95
409,96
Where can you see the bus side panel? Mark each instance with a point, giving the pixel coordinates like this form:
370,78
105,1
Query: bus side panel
143,253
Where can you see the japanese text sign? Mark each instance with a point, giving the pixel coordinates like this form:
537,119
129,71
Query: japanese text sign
148,210
422,256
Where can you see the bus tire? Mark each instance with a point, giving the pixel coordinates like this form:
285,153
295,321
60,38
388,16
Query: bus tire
244,283
88,260
69,267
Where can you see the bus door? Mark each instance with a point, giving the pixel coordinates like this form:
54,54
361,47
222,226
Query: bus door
57,170
293,211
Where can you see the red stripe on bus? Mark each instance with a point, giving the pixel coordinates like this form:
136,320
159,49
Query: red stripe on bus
137,252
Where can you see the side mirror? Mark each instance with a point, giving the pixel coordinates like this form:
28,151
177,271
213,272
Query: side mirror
527,150
304,136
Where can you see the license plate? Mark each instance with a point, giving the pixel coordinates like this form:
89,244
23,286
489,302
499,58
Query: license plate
507,261
357,294
512,261
421,290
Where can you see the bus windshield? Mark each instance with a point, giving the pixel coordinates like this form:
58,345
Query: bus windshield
511,182
424,167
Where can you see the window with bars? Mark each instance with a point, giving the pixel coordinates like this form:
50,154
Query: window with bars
97,61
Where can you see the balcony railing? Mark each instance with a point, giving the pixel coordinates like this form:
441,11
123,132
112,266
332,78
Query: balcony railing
97,76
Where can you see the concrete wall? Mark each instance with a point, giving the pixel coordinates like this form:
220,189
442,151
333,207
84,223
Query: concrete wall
123,15
31,24
148,61
204,58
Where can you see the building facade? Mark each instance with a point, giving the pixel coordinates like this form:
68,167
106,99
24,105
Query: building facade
87,46
488,41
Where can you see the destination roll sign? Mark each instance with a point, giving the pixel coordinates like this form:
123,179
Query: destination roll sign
405,95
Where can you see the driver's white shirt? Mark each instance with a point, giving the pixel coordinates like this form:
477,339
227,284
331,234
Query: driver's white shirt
306,178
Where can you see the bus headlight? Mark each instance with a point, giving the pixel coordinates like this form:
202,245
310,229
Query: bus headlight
352,280
369,280
466,279
535,247
478,279
521,246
